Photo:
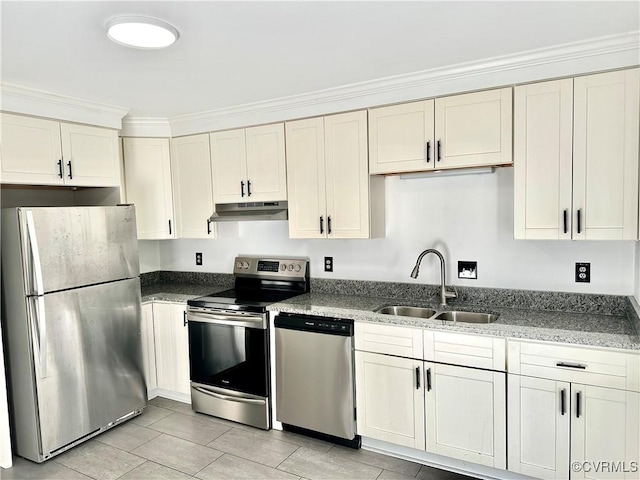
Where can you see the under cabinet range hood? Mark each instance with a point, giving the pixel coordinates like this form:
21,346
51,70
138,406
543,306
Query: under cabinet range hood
233,212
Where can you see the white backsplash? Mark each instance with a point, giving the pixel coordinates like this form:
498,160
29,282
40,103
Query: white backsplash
467,217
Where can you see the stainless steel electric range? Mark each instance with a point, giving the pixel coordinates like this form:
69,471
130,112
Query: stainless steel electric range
229,339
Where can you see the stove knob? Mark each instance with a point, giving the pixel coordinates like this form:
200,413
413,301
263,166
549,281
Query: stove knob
283,267
291,267
297,268
245,265
239,265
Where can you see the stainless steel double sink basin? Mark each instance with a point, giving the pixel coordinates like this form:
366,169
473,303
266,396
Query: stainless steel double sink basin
448,315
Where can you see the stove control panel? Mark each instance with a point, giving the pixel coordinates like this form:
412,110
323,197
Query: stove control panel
279,267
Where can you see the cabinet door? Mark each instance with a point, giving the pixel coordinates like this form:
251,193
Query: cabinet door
466,414
266,166
543,136
90,156
605,156
192,186
474,129
401,138
147,172
390,399
347,175
306,178
229,166
604,428
148,347
538,427
172,352
31,151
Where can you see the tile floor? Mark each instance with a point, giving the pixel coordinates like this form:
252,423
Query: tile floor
170,441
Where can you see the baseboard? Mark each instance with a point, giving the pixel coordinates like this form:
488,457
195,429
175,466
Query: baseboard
439,461
171,395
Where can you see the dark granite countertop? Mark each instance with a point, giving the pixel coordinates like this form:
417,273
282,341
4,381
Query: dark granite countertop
177,292
615,331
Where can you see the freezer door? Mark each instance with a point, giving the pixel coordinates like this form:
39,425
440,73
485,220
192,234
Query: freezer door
87,359
76,246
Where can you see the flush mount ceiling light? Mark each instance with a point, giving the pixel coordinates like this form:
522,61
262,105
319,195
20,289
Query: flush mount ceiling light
141,32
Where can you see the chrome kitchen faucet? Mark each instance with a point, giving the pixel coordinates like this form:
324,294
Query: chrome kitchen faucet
444,293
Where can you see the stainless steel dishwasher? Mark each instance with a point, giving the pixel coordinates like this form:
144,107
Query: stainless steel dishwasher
315,390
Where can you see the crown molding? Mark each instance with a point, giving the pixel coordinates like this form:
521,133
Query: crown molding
602,53
145,127
31,101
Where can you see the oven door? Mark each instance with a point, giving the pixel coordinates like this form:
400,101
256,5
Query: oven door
229,350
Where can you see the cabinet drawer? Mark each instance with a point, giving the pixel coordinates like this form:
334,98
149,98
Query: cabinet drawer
591,366
389,339
465,349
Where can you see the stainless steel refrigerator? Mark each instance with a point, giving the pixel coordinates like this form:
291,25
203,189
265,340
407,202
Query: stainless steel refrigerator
71,317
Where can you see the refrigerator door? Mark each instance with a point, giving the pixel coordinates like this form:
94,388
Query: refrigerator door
87,359
76,246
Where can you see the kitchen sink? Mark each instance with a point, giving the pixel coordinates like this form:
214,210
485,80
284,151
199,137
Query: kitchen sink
467,317
405,311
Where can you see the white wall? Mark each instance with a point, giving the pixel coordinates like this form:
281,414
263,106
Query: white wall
467,217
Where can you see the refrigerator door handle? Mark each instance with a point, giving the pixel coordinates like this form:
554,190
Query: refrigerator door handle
39,332
36,266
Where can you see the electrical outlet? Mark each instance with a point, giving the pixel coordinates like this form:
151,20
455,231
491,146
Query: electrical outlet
198,258
468,270
583,272
328,264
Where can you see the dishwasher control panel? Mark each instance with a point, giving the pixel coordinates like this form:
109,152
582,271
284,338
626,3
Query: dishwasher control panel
330,326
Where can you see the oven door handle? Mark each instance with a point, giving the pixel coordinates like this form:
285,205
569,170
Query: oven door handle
231,398
234,321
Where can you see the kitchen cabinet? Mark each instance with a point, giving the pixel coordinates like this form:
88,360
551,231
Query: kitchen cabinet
248,164
148,348
466,413
459,131
390,399
45,152
576,151
147,171
573,405
192,186
172,347
330,192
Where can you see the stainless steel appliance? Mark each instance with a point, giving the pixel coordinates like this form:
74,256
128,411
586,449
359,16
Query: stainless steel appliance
71,313
229,339
315,391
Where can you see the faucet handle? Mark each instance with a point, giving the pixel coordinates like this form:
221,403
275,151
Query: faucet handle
450,293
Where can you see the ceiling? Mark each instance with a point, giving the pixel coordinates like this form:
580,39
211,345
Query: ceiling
235,53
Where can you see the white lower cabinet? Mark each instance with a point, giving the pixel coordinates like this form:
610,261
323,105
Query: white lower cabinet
390,399
466,413
554,426
171,347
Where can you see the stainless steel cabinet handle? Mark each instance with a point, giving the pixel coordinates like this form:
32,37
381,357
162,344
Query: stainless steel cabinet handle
251,401
248,188
417,378
428,375
321,225
60,168
241,188
428,151
169,227
208,227
571,365
578,402
439,150
329,225
563,404
70,171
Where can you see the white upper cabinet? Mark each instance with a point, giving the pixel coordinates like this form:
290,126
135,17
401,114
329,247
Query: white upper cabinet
474,129
576,150
46,152
605,156
90,156
192,186
401,137
148,186
460,131
330,192
266,166
249,164
543,133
